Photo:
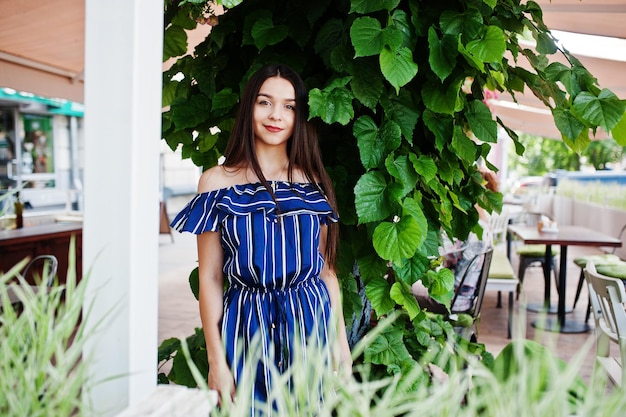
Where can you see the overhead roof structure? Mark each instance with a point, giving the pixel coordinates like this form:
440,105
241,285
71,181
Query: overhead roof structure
42,52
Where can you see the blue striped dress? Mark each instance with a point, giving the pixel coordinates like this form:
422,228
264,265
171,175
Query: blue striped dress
275,297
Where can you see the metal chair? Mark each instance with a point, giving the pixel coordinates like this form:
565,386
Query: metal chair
607,297
41,268
470,333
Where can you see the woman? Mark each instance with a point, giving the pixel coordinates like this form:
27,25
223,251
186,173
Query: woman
266,219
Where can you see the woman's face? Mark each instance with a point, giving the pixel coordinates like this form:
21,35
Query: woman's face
274,112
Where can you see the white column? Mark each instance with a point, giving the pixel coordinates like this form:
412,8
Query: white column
123,57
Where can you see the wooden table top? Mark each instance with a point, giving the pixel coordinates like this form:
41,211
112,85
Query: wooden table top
565,236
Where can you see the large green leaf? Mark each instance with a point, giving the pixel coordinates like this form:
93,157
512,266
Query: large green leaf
367,83
402,109
371,266
402,170
367,36
441,97
466,24
490,47
189,113
605,110
401,293
443,53
397,240
174,42
440,285
619,131
371,201
441,125
387,348
569,126
369,6
397,66
463,146
265,33
411,270
377,291
224,99
424,166
371,150
332,104
481,121
412,207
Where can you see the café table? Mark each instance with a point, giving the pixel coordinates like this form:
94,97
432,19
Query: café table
565,236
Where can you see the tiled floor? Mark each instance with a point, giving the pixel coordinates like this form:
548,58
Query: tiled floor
178,309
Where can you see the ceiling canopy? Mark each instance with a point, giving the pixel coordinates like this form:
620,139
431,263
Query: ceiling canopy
42,52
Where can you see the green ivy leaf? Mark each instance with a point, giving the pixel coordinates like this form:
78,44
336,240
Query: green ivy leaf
619,131
387,348
391,136
371,266
443,53
174,42
397,66
402,110
468,24
491,3
366,132
402,170
190,113
367,83
169,92
367,37
412,208
545,44
206,141
369,6
441,125
441,98
265,33
440,285
605,110
224,99
424,166
397,241
490,47
371,200
569,126
481,121
333,104
411,270
401,293
377,291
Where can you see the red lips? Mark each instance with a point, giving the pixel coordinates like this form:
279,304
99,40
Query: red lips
273,129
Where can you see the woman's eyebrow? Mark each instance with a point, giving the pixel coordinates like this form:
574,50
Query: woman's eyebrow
271,97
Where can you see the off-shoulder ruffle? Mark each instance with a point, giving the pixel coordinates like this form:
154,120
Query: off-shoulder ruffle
206,210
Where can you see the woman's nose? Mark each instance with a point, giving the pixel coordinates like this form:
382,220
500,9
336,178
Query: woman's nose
276,113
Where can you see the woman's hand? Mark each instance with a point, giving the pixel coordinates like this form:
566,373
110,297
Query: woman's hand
221,380
345,361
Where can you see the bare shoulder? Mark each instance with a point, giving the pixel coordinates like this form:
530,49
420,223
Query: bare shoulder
212,179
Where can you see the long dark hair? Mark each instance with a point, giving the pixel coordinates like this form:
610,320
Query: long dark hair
302,148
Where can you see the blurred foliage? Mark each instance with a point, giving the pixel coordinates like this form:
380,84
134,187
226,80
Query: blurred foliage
544,155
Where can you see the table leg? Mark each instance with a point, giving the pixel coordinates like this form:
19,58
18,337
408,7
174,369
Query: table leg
561,325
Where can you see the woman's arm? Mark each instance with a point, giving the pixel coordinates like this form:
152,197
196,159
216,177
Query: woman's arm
211,298
332,283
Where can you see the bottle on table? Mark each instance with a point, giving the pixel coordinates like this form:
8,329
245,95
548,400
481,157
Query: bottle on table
19,211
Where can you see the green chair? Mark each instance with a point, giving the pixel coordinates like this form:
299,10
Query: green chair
610,260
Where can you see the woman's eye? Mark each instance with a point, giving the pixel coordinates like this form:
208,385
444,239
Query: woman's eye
290,107
265,103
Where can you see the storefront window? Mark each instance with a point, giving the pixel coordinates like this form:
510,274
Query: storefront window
37,151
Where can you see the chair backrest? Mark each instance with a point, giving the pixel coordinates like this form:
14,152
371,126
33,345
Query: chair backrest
481,284
498,223
42,267
607,296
